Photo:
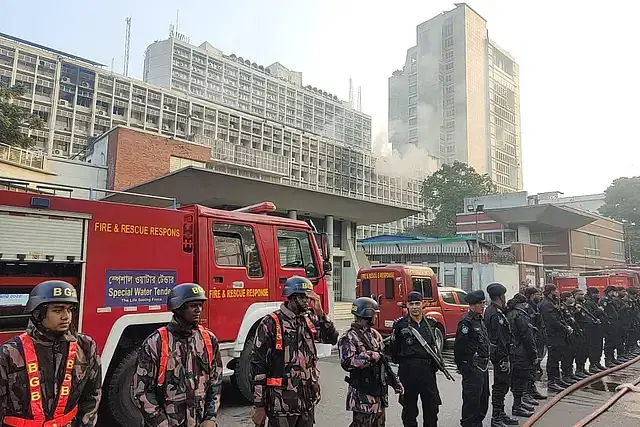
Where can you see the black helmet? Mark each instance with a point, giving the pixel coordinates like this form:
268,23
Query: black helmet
296,285
50,292
365,307
184,293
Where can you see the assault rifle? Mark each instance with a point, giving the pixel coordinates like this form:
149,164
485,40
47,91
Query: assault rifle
387,373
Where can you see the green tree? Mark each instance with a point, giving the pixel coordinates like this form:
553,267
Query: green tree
443,195
13,117
622,203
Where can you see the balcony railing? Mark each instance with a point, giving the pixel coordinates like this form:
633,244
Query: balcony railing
22,157
248,158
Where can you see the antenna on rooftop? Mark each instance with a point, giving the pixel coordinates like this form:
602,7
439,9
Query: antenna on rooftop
127,45
359,106
177,16
350,92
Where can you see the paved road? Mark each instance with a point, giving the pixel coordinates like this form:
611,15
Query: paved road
331,410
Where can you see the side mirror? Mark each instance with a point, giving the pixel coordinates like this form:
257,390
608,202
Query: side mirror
324,246
326,266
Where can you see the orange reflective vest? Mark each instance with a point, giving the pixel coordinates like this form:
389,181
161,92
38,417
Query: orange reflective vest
164,350
277,365
60,418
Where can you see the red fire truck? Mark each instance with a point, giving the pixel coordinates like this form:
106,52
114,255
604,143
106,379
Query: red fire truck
124,259
569,280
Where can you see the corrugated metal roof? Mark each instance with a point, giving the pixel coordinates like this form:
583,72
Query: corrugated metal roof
387,239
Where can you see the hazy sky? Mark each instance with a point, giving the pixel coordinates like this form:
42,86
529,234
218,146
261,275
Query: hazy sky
578,70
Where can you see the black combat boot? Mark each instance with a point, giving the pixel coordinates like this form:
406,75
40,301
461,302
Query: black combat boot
529,400
535,393
580,373
520,409
594,368
554,387
507,420
564,383
496,419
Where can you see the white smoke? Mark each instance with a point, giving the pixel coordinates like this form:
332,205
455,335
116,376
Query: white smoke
412,163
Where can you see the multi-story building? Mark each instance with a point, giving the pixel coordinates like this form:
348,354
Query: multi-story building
458,96
570,232
272,92
78,99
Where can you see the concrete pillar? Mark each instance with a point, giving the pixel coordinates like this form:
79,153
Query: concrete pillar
524,234
349,273
458,274
329,230
293,214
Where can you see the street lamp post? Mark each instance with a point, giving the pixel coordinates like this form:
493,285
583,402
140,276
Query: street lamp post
477,209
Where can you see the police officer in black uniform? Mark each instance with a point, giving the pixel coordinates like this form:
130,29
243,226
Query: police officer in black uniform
612,326
635,321
501,338
625,313
534,296
416,368
596,333
525,355
471,354
557,333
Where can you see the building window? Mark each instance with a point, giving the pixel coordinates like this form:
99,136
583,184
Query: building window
618,250
592,245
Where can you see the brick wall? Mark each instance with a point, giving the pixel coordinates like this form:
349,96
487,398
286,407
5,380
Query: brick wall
136,157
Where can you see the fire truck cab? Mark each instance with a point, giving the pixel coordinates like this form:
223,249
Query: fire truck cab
124,259
389,285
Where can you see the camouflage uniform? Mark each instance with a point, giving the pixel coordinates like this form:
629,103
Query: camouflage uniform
15,399
191,390
368,410
293,402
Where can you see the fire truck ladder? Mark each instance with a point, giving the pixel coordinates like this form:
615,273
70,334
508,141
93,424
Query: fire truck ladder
47,188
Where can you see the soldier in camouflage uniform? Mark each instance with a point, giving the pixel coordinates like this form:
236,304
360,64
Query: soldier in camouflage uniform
284,363
179,371
50,373
362,355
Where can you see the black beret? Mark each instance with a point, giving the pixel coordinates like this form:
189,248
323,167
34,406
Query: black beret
621,289
593,290
474,297
496,290
414,296
610,288
548,288
531,290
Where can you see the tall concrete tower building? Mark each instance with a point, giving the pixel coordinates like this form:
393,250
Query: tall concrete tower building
458,98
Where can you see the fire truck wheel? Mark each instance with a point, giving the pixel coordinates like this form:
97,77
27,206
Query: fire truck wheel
242,375
118,395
